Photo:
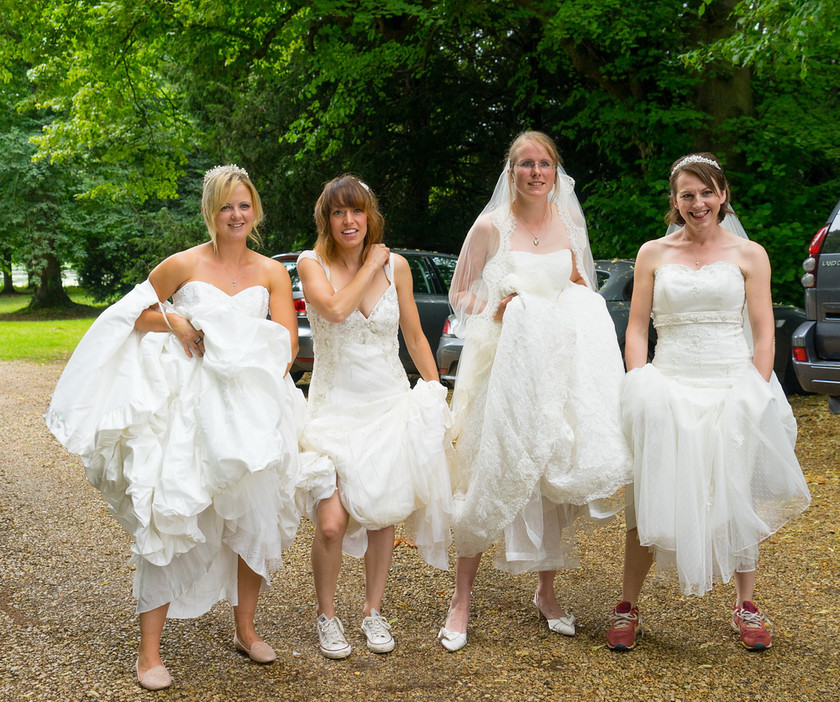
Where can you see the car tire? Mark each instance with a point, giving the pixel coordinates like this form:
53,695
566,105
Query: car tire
834,404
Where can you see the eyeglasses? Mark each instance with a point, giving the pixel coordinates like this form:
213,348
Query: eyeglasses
531,165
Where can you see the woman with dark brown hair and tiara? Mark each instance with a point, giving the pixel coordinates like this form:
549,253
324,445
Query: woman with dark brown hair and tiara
374,448
711,432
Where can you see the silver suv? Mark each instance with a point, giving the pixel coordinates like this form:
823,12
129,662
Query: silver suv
816,343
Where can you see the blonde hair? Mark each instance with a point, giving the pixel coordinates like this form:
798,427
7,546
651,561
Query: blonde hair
219,183
705,167
346,191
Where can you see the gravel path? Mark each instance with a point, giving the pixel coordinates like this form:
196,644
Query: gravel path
68,628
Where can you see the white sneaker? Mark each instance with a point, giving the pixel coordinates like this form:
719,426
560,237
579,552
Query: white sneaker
331,639
378,632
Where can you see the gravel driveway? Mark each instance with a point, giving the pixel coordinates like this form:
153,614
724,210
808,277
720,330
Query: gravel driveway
69,632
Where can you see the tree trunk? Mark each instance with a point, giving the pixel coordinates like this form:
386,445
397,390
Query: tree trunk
6,264
49,292
726,91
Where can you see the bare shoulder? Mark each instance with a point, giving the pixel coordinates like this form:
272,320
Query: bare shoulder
752,258
483,226
652,254
179,264
273,270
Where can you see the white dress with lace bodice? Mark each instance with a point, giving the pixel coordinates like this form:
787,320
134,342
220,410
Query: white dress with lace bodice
368,432
197,457
714,466
536,406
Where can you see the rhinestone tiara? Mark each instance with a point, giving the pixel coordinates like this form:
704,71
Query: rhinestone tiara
694,158
229,168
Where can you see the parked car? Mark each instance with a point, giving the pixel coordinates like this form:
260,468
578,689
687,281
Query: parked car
431,272
615,284
816,342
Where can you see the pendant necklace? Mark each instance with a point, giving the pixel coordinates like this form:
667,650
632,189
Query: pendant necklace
536,240
693,255
232,277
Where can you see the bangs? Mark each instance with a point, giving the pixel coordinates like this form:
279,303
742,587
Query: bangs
347,193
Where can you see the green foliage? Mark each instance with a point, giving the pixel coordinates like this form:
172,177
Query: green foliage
131,101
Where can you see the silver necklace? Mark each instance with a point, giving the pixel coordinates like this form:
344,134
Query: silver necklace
693,255
536,240
232,277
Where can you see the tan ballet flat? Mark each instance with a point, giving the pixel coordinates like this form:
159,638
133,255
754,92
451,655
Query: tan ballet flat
260,651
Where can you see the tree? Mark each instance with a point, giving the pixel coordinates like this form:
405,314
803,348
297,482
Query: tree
419,98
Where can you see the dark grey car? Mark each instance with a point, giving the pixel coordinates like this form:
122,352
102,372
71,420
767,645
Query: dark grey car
431,273
816,343
615,284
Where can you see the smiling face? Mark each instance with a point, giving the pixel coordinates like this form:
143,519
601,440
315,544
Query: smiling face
348,226
235,216
533,170
698,203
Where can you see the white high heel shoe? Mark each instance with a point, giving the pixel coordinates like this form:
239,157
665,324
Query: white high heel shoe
564,625
452,640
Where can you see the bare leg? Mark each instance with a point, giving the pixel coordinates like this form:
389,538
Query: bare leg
377,564
151,628
637,562
744,587
326,551
459,609
545,597
248,586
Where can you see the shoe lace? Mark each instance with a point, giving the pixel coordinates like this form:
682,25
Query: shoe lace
621,620
377,625
752,620
332,632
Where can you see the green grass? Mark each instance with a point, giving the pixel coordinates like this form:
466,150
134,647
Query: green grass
49,337
48,340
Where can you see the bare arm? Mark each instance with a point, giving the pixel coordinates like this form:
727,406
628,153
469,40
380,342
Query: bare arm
415,339
166,278
756,267
636,336
336,305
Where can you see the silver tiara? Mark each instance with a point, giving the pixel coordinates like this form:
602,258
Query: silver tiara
694,158
231,168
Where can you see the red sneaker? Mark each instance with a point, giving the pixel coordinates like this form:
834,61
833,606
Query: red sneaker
753,627
625,623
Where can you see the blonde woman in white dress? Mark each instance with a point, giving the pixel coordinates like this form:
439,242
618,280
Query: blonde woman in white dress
187,421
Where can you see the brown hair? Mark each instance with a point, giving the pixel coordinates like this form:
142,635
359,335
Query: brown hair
346,190
711,174
219,183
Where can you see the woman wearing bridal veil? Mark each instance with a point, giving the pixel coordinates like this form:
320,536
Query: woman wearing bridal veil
536,401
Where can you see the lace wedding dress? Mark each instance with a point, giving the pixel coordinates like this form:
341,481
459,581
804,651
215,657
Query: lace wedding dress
197,457
372,436
714,466
536,406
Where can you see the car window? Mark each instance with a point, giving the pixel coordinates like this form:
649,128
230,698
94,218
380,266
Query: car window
422,276
291,267
832,239
446,267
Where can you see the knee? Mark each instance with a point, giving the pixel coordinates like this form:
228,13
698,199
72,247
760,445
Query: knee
332,529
